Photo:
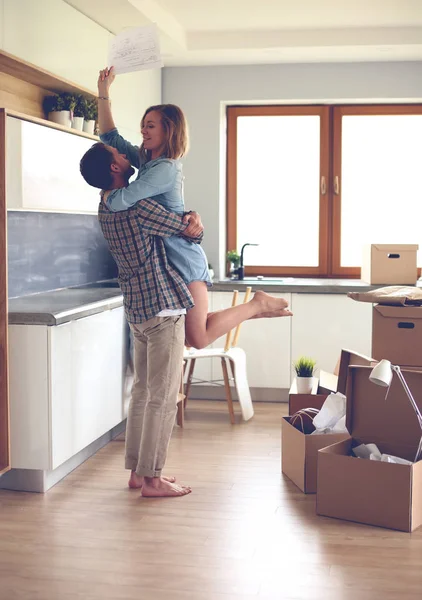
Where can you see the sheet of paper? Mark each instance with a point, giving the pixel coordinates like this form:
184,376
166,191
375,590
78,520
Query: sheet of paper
135,49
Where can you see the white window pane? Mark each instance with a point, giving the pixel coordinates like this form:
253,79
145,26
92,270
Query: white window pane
381,199
278,170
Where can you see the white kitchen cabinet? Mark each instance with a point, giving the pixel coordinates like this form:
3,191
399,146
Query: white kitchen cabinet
323,324
266,343
66,387
42,169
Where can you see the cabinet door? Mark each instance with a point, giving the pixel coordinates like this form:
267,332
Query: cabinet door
266,343
35,183
29,394
97,375
61,399
323,324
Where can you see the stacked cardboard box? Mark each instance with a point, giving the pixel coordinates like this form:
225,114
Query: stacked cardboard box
390,264
397,334
367,491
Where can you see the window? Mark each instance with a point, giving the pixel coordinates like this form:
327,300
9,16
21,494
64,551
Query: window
313,184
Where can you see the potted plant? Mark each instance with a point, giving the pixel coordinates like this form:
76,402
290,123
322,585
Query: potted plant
234,259
79,112
59,108
90,115
211,271
304,368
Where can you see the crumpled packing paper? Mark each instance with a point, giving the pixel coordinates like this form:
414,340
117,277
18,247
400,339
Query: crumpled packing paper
371,452
332,416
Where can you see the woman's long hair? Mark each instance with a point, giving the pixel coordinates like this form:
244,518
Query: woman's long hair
175,128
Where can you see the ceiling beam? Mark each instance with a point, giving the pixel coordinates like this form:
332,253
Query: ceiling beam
165,21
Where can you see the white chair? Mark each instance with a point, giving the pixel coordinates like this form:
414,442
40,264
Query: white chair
231,356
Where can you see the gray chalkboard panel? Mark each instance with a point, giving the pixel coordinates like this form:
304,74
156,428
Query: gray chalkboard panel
48,251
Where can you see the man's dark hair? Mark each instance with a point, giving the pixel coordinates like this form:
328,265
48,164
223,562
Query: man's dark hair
95,166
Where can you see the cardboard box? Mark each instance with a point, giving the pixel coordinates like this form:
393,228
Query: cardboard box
397,334
300,451
372,492
389,264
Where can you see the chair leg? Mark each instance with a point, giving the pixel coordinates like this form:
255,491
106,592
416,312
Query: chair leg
180,417
189,380
228,390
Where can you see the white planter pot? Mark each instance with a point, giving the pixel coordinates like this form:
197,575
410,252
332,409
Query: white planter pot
304,385
78,123
89,126
211,272
62,117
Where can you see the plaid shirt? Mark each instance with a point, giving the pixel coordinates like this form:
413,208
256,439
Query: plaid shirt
135,239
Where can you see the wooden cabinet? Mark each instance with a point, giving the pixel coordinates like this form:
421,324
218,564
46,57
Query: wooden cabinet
66,387
4,395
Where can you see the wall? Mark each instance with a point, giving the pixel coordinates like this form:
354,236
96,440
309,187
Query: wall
202,92
56,37
47,251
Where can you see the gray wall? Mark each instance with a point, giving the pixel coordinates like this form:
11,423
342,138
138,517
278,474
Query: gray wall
47,251
203,92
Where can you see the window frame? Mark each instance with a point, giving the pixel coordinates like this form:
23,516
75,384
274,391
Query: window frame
330,168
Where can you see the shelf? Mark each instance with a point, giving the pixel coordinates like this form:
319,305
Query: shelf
25,71
45,123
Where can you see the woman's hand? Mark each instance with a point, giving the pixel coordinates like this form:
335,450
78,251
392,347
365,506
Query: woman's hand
105,79
195,227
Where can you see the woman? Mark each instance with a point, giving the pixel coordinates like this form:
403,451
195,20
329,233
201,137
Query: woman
165,141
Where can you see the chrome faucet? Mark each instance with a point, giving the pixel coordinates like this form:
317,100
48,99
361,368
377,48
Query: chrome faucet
241,270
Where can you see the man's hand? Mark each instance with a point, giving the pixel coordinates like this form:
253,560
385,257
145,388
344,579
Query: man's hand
195,227
105,79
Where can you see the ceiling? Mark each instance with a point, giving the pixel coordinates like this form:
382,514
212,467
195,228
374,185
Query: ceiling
224,32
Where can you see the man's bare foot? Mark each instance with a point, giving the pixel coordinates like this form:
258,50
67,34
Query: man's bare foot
136,481
158,487
284,312
266,303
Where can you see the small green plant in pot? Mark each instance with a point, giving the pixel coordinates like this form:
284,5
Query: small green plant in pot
305,368
234,259
58,108
90,114
79,112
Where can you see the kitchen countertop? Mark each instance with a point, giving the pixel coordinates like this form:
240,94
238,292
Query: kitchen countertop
295,285
61,306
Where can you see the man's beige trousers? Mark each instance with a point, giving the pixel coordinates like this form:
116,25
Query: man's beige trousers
159,345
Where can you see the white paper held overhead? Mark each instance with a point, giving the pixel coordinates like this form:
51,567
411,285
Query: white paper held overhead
135,49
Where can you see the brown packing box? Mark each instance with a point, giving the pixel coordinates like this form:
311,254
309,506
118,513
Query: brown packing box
389,264
397,334
374,492
299,452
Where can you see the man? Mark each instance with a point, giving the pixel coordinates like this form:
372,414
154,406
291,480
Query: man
155,300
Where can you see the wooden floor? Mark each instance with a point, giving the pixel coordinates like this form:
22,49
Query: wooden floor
245,531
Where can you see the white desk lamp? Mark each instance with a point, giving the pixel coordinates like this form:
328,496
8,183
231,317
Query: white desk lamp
382,374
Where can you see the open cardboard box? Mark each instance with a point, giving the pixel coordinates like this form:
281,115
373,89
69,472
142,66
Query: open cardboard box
397,334
366,491
299,451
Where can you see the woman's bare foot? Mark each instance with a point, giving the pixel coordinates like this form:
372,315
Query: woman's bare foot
284,312
136,481
267,304
159,487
